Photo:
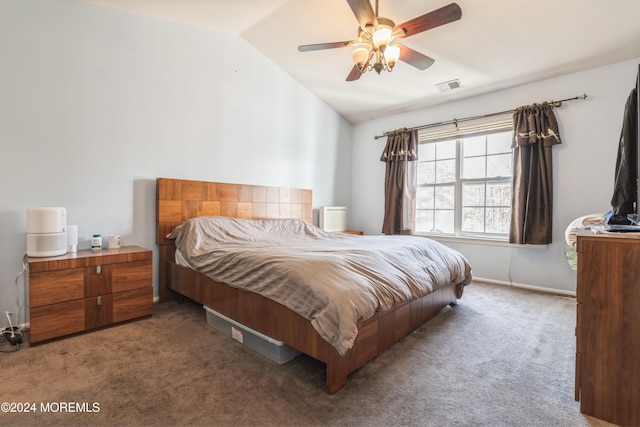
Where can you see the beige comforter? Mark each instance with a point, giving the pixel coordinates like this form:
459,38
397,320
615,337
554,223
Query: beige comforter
334,280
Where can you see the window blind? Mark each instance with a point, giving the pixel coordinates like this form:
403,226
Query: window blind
474,126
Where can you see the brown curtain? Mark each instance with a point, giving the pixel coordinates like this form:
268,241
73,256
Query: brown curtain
400,182
535,133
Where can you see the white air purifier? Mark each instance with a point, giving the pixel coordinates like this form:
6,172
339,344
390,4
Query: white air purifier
46,231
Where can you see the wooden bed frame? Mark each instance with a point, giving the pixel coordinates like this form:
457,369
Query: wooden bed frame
179,200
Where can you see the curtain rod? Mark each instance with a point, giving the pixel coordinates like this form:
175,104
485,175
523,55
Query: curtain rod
465,119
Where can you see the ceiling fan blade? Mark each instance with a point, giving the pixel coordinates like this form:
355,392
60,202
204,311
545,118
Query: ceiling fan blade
354,74
320,46
444,15
412,57
364,12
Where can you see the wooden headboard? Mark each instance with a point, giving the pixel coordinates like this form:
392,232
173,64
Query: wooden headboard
178,200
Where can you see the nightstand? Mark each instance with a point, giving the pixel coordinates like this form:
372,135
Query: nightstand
359,233
89,289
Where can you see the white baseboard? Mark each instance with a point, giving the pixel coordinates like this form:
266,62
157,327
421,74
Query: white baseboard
523,286
23,326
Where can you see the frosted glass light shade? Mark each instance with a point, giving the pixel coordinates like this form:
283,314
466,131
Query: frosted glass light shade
360,56
381,37
391,55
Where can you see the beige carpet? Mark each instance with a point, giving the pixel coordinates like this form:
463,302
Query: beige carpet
501,357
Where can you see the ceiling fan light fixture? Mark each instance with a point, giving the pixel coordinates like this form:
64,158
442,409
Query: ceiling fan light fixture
376,35
391,55
381,37
361,57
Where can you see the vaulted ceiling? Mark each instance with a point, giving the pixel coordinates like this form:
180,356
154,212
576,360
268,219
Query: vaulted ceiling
496,44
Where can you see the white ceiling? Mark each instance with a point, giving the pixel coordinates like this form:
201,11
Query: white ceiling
496,44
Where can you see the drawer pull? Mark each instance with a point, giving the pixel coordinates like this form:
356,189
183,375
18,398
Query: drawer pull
99,301
98,269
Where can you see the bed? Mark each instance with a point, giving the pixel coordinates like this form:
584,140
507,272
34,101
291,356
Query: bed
239,292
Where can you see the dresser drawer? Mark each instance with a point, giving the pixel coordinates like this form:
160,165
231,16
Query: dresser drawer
131,304
132,275
97,280
54,320
98,311
56,286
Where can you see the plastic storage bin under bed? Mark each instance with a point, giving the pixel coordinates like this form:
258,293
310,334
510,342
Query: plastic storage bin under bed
275,350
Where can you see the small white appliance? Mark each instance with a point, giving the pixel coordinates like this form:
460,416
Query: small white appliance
72,238
333,218
46,231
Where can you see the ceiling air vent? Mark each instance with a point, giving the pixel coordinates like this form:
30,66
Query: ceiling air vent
451,84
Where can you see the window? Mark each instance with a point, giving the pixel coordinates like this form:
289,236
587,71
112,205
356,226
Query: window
464,183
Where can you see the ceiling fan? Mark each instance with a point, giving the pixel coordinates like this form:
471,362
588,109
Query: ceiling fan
376,46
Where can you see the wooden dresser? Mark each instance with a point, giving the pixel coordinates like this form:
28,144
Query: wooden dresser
89,289
608,327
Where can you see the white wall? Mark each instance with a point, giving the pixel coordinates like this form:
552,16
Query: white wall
96,103
583,166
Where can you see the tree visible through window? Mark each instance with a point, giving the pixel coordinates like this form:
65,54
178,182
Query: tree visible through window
464,185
